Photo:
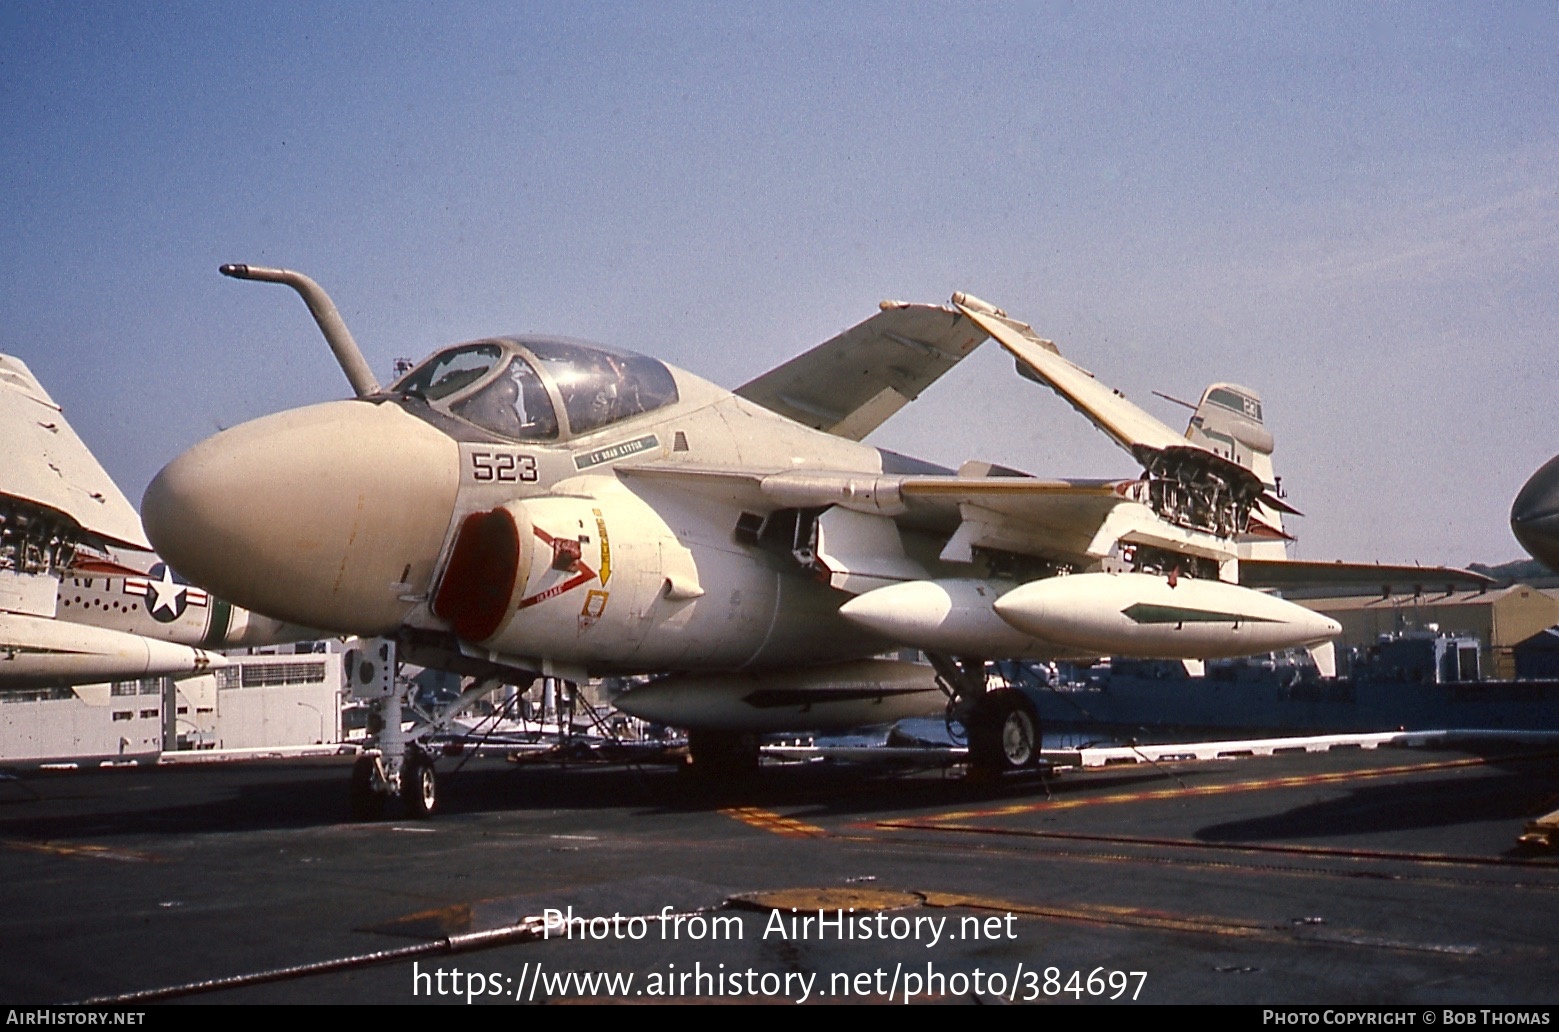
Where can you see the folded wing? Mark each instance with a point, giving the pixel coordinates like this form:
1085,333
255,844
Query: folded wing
47,465
851,384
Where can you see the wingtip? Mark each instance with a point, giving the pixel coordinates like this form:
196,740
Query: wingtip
969,301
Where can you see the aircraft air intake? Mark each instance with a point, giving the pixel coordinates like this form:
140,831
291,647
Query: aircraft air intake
487,571
565,578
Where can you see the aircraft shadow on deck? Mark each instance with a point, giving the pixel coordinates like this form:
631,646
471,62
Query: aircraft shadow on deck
308,794
1423,803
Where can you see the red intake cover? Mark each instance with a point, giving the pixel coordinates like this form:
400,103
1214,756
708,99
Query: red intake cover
480,578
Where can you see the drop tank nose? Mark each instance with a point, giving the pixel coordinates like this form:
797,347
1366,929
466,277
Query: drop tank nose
329,516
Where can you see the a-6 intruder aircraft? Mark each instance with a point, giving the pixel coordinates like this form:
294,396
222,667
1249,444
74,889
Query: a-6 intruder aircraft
524,506
72,611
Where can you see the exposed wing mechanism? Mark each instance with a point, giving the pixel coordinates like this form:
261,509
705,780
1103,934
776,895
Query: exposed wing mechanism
850,385
1189,484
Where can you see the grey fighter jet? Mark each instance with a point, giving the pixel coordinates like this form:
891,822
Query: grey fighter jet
536,506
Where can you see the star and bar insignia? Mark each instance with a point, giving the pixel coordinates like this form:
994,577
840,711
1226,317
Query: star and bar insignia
166,598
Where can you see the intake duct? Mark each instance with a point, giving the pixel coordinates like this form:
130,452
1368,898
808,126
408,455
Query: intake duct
487,571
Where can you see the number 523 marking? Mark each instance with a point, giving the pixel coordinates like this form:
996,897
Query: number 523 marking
502,468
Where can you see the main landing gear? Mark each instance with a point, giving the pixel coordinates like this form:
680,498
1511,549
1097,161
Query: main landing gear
1003,732
1001,723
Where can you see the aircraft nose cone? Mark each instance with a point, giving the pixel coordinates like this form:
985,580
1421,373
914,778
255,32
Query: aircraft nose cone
329,516
1534,517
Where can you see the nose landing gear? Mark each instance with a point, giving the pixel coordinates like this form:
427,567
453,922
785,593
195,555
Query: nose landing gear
399,761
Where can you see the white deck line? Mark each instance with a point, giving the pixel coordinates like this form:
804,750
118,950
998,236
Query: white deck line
1105,756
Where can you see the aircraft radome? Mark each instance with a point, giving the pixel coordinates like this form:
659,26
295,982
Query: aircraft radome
72,609
1534,515
538,506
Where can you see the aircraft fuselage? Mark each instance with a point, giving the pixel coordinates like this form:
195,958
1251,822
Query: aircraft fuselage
345,516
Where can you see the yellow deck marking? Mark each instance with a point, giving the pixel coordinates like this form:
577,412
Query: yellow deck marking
1297,781
768,820
1289,849
1132,917
455,919
87,851
1200,924
832,897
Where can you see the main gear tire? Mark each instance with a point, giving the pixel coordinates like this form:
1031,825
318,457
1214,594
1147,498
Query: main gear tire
1003,734
419,785
731,755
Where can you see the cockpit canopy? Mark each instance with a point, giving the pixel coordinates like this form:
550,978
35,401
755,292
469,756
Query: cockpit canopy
515,386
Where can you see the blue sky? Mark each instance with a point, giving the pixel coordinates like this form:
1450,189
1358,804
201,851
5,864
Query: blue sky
1353,208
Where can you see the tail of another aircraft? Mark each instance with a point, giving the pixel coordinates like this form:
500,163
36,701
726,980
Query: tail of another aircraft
1228,421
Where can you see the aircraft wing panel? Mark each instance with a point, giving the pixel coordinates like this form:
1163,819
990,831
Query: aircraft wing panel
1295,573
1070,505
1068,520
851,384
891,494
1051,518
742,488
49,466
1128,425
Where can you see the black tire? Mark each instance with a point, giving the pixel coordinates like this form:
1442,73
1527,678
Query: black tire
367,804
722,754
419,785
1003,733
